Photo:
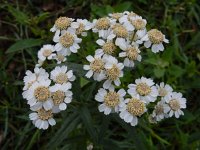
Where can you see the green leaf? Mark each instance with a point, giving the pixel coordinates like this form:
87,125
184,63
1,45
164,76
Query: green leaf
23,44
123,7
159,72
87,120
20,16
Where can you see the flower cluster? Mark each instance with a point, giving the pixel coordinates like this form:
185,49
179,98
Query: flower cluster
140,95
121,40
47,94
121,37
68,33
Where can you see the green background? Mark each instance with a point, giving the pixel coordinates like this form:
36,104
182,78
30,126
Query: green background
24,27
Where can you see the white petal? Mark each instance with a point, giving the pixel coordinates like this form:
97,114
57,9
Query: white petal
100,42
52,122
62,106
48,104
89,74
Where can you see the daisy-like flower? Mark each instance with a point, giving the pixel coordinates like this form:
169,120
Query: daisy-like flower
164,89
131,54
126,17
160,111
145,88
42,118
67,42
102,25
46,52
113,72
62,23
61,56
111,100
115,16
96,68
108,47
80,26
32,77
61,95
134,107
60,75
38,95
175,103
154,39
120,33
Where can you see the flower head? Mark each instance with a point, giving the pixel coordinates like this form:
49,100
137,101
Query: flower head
110,99
145,88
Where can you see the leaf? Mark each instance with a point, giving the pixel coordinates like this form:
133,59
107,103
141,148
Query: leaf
20,17
159,72
87,120
123,7
23,44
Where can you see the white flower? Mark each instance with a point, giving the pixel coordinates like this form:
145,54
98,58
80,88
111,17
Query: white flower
160,111
131,54
145,88
61,95
67,42
111,100
80,26
115,16
164,89
133,108
175,103
113,72
38,95
46,52
154,38
108,48
62,23
120,33
96,68
32,77
60,75
61,56
42,118
102,25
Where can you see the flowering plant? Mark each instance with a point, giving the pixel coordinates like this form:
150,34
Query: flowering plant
122,40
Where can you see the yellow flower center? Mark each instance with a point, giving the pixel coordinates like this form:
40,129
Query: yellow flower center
155,36
97,65
102,24
109,47
47,52
67,40
58,97
80,29
138,24
159,109
42,93
162,92
174,104
62,23
113,73
111,99
44,115
116,15
132,53
143,89
60,57
61,78
136,107
120,31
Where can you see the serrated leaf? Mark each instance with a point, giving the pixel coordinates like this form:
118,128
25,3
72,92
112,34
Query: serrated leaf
23,44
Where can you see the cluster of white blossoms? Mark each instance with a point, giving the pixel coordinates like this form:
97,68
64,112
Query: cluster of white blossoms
47,94
121,40
67,37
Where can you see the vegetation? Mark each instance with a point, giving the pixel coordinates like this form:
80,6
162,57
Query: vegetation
25,28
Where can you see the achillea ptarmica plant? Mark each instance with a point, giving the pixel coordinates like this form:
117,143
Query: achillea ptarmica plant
121,40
